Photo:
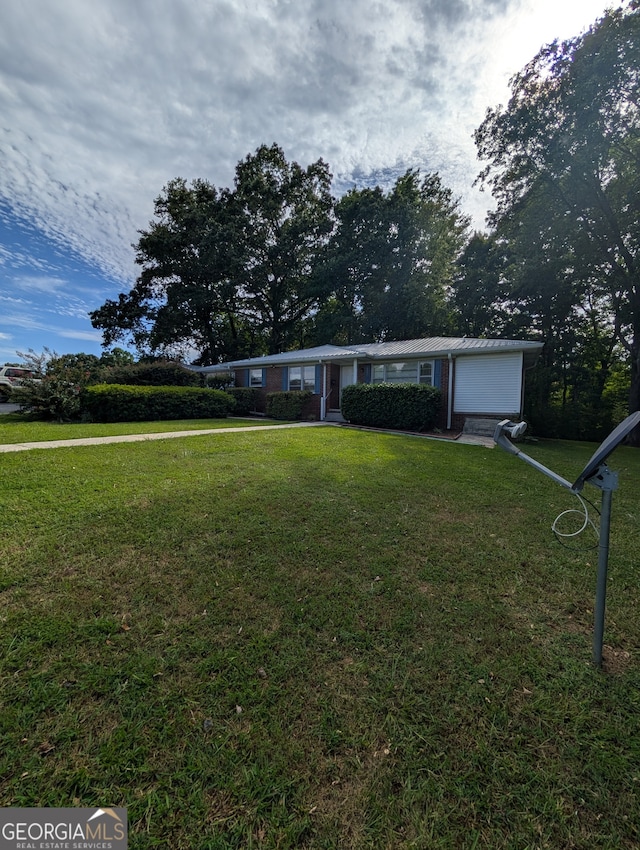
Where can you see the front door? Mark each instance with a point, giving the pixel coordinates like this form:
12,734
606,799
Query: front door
346,378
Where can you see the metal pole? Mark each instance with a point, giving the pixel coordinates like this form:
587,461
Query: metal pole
601,586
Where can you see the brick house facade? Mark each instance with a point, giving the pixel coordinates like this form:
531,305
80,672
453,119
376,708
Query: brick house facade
477,378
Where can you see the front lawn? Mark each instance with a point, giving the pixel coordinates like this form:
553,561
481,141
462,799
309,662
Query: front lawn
317,638
17,428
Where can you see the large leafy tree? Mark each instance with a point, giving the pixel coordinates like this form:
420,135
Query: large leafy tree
184,297
393,258
227,273
354,264
283,219
425,235
564,167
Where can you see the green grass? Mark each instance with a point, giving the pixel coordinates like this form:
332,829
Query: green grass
17,428
317,638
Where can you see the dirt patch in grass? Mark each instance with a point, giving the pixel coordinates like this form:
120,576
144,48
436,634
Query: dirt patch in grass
615,661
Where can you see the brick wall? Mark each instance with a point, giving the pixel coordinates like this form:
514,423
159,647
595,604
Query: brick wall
274,385
312,409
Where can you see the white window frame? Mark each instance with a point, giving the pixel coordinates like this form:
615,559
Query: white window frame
306,379
380,374
424,379
255,377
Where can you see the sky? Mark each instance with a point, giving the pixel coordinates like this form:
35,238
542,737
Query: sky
103,103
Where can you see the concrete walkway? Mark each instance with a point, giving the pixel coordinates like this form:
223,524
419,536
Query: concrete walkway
169,435
141,438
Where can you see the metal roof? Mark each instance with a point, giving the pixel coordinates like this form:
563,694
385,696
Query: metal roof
437,346
443,346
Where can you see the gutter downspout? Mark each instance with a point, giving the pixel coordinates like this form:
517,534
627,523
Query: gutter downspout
450,393
323,394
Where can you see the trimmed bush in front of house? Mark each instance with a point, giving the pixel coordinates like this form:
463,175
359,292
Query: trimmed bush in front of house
246,399
408,407
121,403
287,405
162,373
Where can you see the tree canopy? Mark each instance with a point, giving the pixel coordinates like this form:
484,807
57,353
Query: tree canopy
563,165
276,263
391,261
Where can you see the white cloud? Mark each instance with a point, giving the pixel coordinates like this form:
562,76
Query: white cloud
88,336
68,305
40,283
103,103
15,257
25,321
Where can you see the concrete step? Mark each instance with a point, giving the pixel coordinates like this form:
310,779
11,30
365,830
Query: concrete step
479,427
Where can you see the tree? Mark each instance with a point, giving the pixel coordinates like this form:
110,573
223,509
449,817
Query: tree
227,273
117,357
185,298
392,258
481,296
353,265
426,233
564,167
55,394
283,218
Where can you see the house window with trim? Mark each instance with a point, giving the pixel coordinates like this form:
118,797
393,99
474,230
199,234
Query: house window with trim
402,373
302,378
425,372
255,377
377,373
409,372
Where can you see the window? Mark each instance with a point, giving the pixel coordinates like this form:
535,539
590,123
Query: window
377,374
402,373
425,373
302,378
19,373
255,377
408,372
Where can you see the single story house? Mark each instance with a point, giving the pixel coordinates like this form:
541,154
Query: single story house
481,378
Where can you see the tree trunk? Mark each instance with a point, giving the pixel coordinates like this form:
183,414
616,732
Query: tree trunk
634,394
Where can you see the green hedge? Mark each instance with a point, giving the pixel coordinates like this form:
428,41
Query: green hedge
164,373
246,399
121,403
287,405
409,407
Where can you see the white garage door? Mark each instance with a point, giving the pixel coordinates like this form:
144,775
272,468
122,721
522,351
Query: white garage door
491,383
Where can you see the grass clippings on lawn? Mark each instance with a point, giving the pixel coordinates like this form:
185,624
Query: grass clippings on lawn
317,639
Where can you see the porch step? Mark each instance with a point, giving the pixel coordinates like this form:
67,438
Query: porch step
334,416
476,427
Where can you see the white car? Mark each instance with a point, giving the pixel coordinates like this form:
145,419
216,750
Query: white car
12,376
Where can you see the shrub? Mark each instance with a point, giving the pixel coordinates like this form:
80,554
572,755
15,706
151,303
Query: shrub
287,405
411,407
56,393
246,399
162,373
120,403
218,380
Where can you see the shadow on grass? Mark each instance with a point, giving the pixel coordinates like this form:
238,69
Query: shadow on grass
312,639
